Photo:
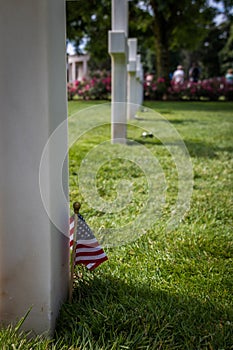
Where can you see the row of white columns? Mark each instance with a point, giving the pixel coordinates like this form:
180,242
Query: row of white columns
127,73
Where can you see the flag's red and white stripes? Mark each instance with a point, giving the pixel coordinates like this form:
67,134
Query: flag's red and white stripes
71,231
88,250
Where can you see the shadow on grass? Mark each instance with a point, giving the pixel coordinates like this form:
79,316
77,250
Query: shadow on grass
183,121
204,150
169,106
174,121
108,313
201,149
195,149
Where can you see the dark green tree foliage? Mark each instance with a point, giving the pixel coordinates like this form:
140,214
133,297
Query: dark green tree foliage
178,25
216,49
141,27
226,54
209,49
88,23
226,8
163,28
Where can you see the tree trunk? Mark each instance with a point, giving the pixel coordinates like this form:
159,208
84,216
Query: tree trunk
161,44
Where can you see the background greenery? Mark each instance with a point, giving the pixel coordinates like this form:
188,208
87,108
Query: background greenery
168,32
166,290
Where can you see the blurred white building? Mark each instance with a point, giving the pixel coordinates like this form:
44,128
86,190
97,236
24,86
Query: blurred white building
77,67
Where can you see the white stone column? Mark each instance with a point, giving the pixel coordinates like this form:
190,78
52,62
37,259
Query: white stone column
139,80
70,72
118,51
34,254
132,83
73,72
85,67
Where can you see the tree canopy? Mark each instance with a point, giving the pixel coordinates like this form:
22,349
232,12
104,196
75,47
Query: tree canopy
165,29
88,23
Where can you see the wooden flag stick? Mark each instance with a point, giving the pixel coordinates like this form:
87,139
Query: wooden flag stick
76,207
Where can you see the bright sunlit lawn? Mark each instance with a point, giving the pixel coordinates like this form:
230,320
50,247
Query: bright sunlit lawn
162,289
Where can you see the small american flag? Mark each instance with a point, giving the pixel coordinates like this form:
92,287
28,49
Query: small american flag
88,250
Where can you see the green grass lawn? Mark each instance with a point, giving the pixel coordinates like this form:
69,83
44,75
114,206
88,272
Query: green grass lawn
161,288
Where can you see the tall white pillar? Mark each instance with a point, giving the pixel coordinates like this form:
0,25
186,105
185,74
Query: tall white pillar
73,72
139,80
132,83
34,254
85,67
118,51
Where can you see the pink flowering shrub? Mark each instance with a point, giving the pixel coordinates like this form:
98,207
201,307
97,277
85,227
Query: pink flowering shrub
208,89
155,89
97,87
71,91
